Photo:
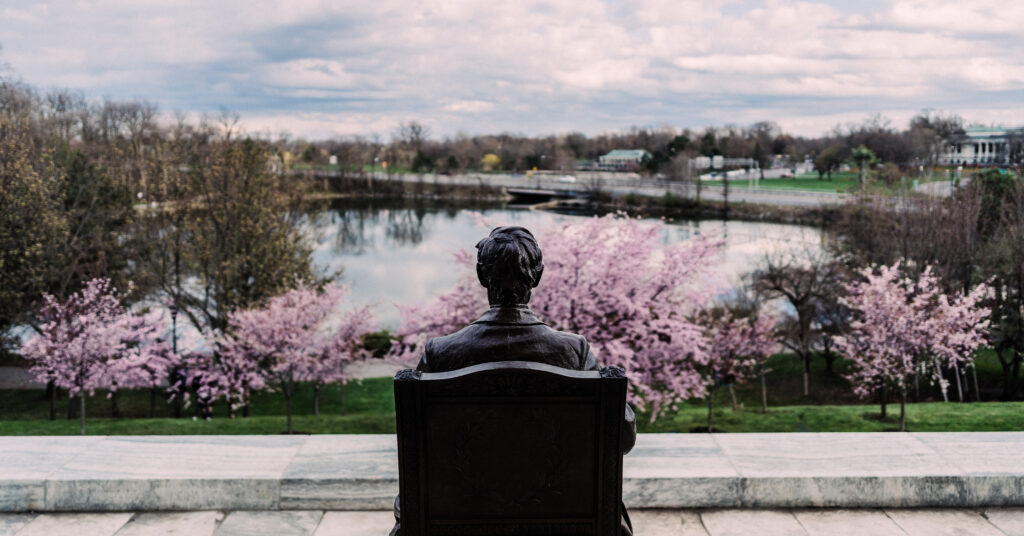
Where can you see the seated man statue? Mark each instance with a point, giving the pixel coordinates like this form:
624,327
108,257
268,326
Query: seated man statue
509,266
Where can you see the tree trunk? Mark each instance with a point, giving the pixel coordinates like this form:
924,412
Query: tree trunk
974,375
152,402
114,413
245,407
917,384
1007,378
81,410
732,395
959,388
711,407
807,374
830,359
341,398
903,409
71,408
764,394
885,401
316,400
288,398
51,391
725,196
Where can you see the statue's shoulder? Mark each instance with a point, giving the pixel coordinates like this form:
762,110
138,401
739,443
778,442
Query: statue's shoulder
464,335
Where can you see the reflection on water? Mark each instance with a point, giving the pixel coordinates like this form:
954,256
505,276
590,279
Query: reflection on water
397,252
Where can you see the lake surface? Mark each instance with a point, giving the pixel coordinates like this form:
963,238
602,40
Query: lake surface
403,252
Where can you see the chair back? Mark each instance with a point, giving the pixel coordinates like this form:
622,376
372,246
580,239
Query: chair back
510,447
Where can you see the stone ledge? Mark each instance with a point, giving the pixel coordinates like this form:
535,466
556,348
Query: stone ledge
359,472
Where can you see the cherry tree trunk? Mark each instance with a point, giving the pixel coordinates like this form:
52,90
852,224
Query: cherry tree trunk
959,388
288,398
81,410
884,396
732,396
764,394
977,391
711,408
51,390
903,409
152,402
114,413
316,400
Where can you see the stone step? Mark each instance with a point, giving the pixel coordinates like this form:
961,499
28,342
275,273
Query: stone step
358,472
735,522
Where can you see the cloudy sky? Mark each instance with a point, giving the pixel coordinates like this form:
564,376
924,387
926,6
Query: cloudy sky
319,68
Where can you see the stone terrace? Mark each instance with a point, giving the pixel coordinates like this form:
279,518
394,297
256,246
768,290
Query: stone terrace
675,483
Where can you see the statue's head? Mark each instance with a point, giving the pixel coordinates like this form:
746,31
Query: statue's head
508,264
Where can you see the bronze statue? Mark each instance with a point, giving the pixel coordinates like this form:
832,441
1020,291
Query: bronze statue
509,265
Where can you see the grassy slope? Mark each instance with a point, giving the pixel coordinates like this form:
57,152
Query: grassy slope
842,182
369,408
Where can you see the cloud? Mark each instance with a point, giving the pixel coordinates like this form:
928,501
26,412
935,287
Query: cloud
470,106
315,67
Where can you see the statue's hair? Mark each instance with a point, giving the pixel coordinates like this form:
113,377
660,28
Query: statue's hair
510,260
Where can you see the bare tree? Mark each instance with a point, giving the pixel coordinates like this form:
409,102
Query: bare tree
805,280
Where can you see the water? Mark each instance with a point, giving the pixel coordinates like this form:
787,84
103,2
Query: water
403,253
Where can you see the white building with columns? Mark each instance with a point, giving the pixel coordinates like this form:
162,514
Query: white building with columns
980,146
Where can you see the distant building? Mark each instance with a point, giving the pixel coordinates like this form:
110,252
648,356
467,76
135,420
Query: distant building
624,158
980,146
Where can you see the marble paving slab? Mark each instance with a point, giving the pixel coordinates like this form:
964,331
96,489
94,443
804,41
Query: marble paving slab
172,524
832,455
991,453
358,523
943,523
674,522
848,523
1009,520
12,523
747,522
68,524
294,523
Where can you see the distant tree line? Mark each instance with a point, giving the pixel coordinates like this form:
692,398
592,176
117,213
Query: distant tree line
874,141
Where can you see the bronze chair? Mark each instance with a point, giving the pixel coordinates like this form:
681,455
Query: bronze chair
510,448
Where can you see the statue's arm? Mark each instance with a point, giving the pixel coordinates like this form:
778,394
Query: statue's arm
629,430
425,361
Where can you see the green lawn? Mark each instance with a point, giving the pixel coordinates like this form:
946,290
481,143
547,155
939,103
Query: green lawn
368,407
841,182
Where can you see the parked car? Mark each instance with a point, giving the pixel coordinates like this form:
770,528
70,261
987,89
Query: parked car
566,178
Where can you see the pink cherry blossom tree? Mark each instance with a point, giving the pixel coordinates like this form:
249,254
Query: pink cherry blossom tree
146,359
613,280
903,327
90,341
737,349
290,340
